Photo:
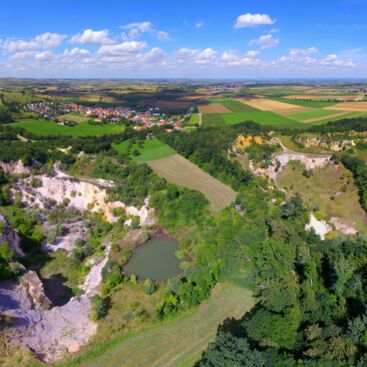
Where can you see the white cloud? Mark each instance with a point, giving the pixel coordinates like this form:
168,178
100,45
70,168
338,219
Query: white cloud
45,40
199,24
265,41
44,56
253,20
303,51
141,26
127,47
232,58
198,56
334,60
91,37
76,51
163,36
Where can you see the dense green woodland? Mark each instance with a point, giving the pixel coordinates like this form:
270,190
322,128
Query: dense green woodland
311,294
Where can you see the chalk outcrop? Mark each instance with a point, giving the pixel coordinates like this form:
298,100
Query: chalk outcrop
82,195
320,227
14,168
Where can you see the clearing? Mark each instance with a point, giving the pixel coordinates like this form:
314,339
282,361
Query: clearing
45,127
151,149
330,188
180,171
75,118
194,119
213,108
179,342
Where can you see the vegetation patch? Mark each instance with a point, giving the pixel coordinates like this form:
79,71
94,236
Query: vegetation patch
179,342
45,127
75,118
146,150
331,189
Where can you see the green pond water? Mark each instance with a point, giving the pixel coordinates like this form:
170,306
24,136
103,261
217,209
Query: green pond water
155,260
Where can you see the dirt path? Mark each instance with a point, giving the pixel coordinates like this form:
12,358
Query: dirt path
178,343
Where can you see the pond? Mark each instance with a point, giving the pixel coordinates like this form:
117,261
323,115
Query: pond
155,260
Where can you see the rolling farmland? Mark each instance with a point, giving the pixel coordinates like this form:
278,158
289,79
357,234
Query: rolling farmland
175,343
180,171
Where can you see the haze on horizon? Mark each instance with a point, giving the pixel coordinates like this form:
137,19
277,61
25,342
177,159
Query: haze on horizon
252,39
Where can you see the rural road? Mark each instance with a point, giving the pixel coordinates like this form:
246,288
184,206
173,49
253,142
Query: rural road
180,342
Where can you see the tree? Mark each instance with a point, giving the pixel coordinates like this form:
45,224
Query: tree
231,351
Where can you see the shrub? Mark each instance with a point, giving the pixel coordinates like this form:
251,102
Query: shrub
100,307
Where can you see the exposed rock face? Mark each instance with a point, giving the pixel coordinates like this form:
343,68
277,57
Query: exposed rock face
310,162
342,227
83,196
35,291
14,168
319,226
10,235
50,333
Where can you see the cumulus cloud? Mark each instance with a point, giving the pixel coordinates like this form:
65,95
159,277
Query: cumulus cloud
44,56
45,40
128,47
253,20
91,37
334,60
232,58
76,51
265,41
163,36
198,56
140,26
303,51
199,24
136,29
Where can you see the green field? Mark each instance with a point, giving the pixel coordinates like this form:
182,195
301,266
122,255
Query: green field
312,114
305,102
347,116
75,118
44,127
152,149
180,171
194,119
212,119
179,342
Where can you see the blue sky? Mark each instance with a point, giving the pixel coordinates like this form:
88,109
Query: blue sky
184,39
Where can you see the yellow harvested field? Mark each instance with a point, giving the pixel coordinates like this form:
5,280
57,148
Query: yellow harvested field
180,171
265,104
329,97
326,117
214,108
349,106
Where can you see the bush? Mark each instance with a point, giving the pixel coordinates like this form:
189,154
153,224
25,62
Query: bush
100,307
149,287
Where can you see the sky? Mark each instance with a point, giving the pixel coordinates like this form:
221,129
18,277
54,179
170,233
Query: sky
232,39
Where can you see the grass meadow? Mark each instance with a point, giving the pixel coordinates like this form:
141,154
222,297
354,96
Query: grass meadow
151,149
45,127
178,342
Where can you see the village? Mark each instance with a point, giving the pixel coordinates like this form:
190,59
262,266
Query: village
71,113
